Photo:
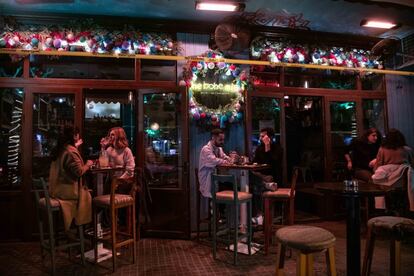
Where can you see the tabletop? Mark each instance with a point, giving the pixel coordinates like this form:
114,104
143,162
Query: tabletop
105,169
250,167
363,188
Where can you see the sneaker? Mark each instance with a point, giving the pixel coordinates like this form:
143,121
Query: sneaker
258,220
271,186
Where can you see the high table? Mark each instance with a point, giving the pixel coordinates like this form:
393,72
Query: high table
244,183
352,197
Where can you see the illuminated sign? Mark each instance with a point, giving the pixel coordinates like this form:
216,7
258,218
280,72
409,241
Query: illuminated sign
206,87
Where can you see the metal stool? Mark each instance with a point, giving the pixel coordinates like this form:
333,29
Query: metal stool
286,196
233,199
199,220
392,227
113,202
49,206
307,240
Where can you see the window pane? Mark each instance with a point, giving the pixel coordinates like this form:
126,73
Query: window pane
265,76
105,109
11,110
82,67
158,70
163,149
312,78
51,112
265,113
343,130
11,66
374,114
372,82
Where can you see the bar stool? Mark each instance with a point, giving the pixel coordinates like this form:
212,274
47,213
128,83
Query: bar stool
231,198
304,170
199,198
395,228
287,197
50,206
114,202
307,240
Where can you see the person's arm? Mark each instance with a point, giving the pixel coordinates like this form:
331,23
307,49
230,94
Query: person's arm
73,163
129,162
209,159
380,159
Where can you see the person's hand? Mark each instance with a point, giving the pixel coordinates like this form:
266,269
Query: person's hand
349,165
89,163
372,163
78,143
266,140
104,142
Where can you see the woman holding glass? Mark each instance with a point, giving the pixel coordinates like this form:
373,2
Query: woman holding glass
116,146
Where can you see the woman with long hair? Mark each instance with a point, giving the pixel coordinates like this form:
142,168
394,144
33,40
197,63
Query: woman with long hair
64,178
362,152
394,150
117,147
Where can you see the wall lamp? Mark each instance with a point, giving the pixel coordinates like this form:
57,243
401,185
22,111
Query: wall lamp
220,6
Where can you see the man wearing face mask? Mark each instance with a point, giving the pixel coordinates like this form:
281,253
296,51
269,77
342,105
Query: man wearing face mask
211,155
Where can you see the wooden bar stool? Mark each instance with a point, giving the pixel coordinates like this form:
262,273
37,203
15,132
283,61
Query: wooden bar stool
286,196
49,206
307,240
113,202
199,220
395,228
231,198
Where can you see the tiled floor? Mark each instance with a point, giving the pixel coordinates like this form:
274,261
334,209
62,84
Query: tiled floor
177,257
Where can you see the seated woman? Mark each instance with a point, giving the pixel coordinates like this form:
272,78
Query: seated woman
393,159
363,151
120,155
64,179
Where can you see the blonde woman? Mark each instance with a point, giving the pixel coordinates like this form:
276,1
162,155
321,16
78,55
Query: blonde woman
120,155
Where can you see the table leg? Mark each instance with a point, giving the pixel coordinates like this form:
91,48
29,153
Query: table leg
353,241
244,187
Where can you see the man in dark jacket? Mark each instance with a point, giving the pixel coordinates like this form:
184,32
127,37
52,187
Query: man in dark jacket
271,153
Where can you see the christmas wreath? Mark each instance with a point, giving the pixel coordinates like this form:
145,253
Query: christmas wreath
216,91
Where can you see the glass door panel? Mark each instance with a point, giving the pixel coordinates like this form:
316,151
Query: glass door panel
165,147
343,129
374,114
105,109
51,112
162,139
304,136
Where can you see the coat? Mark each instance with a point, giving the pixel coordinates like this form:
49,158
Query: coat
64,185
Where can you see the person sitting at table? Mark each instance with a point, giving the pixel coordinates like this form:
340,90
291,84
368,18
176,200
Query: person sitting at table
393,159
64,179
271,153
211,155
120,155
363,151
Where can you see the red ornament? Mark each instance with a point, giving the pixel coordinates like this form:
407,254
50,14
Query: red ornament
203,115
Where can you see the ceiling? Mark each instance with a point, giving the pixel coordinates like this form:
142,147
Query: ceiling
338,16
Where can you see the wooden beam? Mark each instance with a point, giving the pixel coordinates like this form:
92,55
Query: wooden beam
205,59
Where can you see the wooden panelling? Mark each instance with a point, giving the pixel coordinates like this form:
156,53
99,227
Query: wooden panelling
400,104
